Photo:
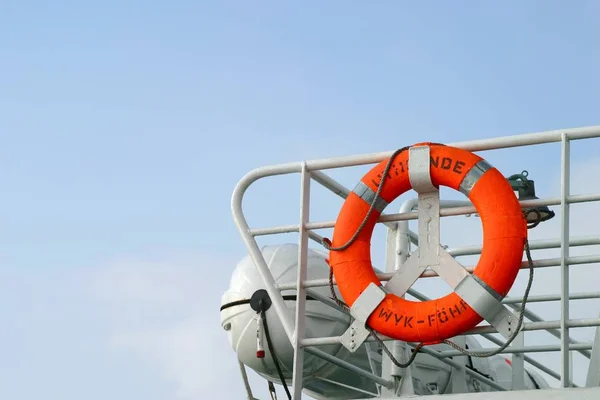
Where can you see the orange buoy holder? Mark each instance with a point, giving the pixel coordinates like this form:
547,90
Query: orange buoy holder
473,291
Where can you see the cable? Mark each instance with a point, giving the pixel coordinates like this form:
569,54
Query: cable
291,297
391,356
521,312
327,243
385,174
272,351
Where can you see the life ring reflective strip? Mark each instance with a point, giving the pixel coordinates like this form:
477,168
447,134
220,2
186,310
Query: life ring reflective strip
504,236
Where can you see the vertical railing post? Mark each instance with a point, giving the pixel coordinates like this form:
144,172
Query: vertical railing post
245,380
518,363
458,375
391,257
299,328
398,249
565,355
400,350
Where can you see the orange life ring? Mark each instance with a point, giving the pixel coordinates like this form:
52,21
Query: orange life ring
504,236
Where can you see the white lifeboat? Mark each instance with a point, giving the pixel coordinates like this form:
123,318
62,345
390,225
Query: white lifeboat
321,378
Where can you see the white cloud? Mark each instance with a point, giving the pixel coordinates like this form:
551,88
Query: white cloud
187,353
166,315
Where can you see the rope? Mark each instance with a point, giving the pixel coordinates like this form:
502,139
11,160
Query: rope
327,243
391,356
538,219
519,323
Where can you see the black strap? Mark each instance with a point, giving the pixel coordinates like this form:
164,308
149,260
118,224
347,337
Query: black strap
292,297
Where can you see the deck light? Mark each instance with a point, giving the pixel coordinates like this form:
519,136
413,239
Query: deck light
526,190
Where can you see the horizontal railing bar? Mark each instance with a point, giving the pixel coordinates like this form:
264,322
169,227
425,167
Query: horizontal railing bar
543,263
475,145
518,350
542,326
533,245
444,212
530,315
527,326
551,297
528,139
455,211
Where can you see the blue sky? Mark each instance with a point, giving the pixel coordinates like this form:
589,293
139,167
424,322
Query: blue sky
125,126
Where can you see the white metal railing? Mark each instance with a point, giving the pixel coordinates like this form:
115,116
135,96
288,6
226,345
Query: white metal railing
313,170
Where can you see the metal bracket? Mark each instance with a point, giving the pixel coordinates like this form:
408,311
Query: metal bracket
429,223
362,308
419,173
487,305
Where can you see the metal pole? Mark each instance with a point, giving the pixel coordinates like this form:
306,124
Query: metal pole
551,297
474,145
447,212
299,329
554,332
520,349
527,326
565,355
533,245
283,312
398,249
245,380
544,263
